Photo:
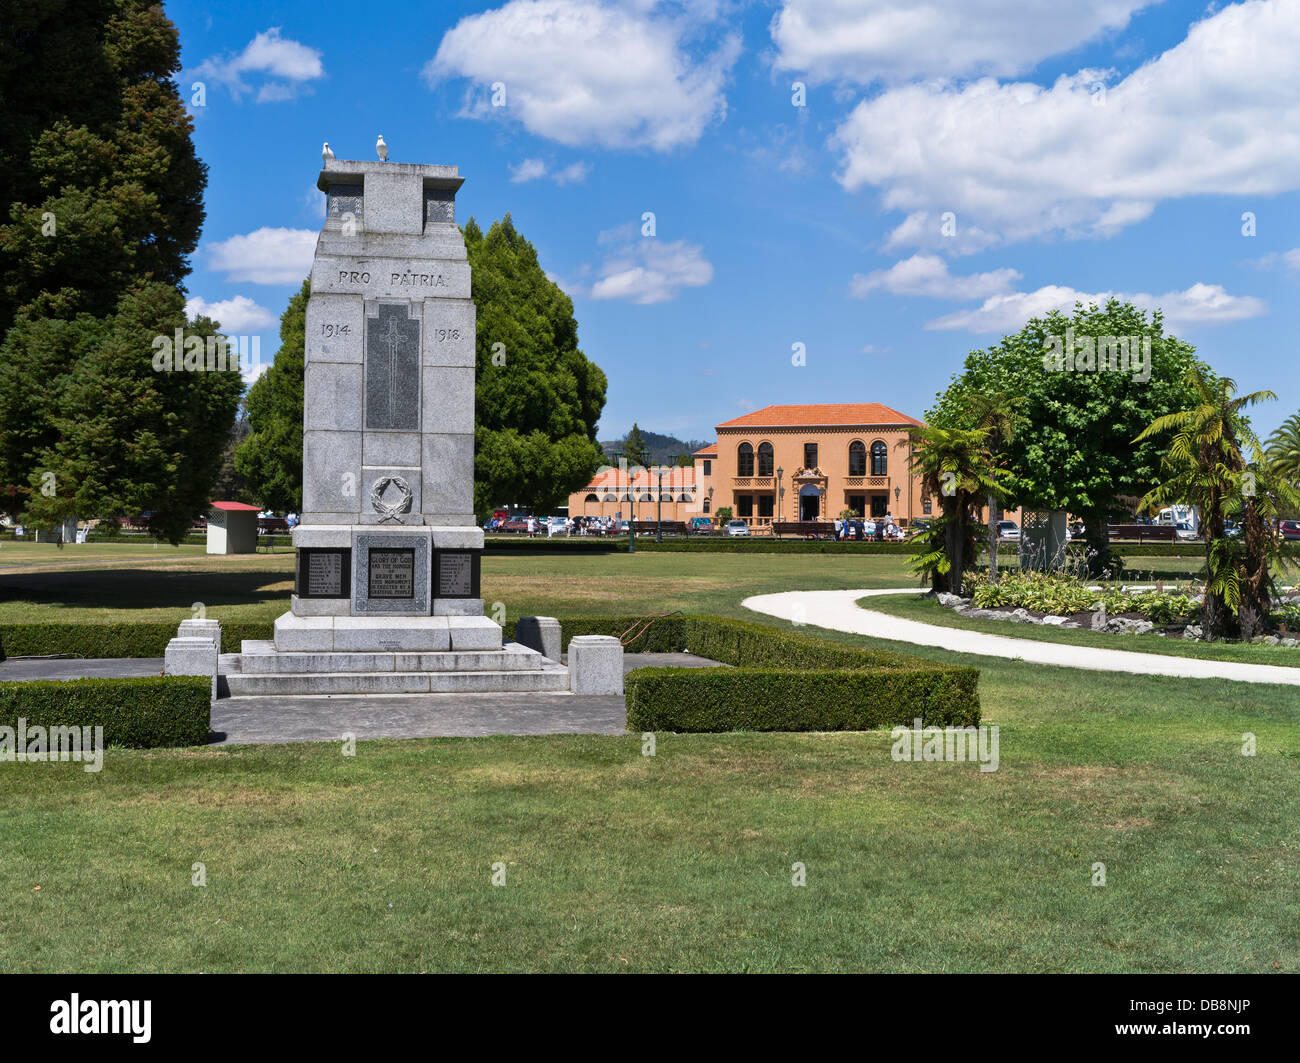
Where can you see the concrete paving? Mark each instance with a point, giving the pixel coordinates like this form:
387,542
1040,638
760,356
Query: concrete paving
838,611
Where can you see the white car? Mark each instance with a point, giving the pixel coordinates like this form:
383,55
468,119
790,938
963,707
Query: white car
1183,530
1008,530
737,527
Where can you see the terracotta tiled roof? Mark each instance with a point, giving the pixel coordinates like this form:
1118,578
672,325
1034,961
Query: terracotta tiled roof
706,452
234,507
676,479
823,414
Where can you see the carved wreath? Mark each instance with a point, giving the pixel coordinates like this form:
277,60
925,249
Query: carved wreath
394,511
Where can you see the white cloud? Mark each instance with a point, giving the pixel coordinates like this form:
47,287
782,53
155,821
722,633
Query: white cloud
928,275
528,170
652,271
1021,161
292,63
265,256
532,169
1199,304
606,72
240,315
866,40
1290,260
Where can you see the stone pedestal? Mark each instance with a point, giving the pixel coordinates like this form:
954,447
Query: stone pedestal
387,527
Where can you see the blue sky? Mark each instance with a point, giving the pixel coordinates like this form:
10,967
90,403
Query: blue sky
1077,149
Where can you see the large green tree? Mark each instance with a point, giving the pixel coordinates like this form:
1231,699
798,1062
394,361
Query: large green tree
103,200
538,397
635,451
100,182
1075,450
270,457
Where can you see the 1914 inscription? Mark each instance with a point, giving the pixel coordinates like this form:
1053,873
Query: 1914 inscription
392,573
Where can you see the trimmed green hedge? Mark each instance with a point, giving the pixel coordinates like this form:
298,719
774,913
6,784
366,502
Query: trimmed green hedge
143,712
147,639
766,699
782,681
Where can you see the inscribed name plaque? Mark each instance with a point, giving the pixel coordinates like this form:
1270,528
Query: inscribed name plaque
392,573
392,362
323,573
456,573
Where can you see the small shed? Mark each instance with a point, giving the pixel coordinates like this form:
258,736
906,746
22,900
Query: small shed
232,528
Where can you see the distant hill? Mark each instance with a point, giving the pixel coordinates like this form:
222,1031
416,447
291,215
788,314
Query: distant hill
663,449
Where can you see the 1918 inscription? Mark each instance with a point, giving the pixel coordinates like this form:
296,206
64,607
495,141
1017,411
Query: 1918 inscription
392,573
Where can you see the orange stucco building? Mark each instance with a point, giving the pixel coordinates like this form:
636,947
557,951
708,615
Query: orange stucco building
804,462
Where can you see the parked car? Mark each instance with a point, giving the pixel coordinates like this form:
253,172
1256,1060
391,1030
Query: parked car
1183,530
737,527
701,525
1008,530
1289,529
1231,529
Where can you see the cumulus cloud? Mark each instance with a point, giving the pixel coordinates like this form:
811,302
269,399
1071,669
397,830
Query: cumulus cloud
1085,157
1289,260
928,275
613,73
265,256
869,40
1197,305
652,271
533,169
284,67
239,315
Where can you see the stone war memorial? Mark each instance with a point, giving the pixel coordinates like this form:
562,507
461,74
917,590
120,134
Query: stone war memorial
386,596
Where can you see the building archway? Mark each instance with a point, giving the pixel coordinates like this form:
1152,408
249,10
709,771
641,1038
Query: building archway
810,502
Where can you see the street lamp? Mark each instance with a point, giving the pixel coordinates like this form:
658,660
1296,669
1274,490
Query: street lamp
631,523
659,513
780,493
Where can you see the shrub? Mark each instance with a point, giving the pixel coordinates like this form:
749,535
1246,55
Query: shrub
148,639
142,712
768,699
1047,592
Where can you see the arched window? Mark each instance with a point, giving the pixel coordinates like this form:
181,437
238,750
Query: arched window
765,463
857,458
666,496
591,498
647,497
707,501
684,497
745,460
626,497
611,497
879,460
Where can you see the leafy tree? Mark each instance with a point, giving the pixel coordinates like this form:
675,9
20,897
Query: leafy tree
722,514
1076,451
1284,449
1205,466
93,138
230,485
635,451
270,457
538,398
103,195
122,436
999,414
955,465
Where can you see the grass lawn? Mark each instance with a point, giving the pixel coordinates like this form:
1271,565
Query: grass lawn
928,611
681,861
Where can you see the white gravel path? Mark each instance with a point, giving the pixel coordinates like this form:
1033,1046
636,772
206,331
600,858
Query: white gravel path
838,611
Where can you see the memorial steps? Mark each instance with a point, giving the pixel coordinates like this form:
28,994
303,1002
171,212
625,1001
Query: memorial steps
260,670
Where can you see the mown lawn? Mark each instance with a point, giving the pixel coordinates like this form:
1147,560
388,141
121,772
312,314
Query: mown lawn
682,861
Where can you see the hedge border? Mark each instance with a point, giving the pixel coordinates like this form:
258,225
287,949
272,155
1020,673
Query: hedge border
142,713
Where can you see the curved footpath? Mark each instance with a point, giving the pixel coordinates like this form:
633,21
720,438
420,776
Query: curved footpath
838,611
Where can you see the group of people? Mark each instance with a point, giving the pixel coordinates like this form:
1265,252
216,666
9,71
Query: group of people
881,529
